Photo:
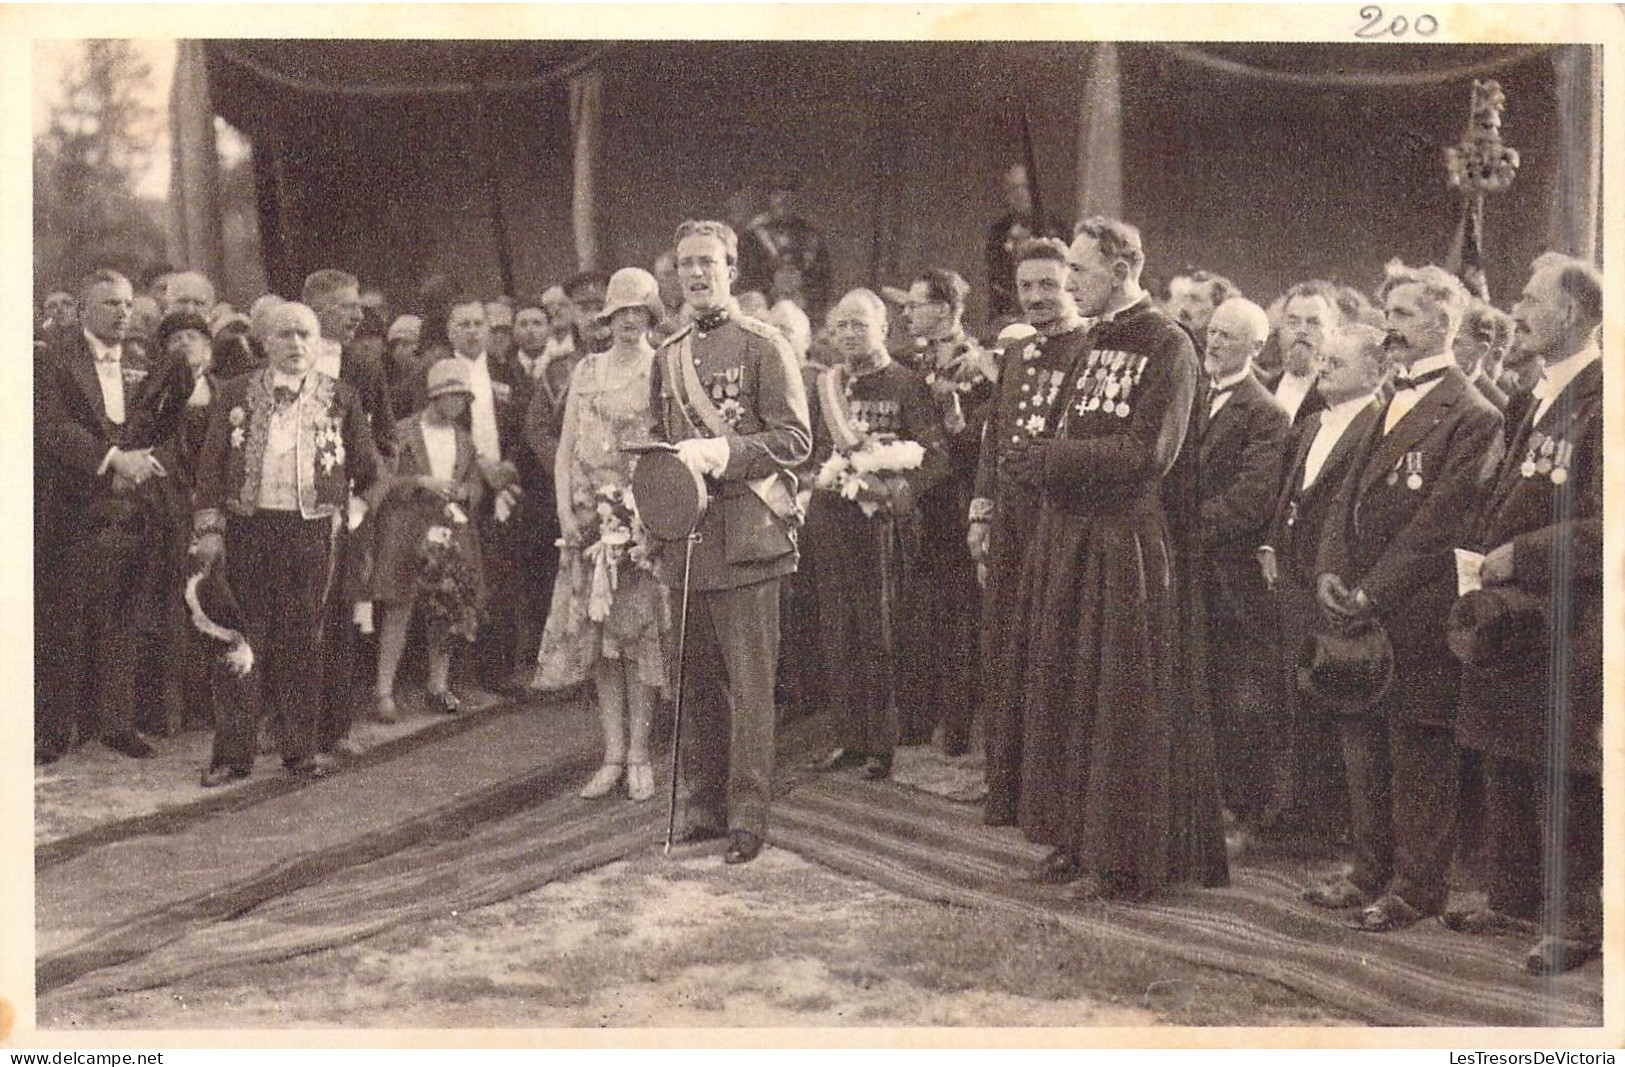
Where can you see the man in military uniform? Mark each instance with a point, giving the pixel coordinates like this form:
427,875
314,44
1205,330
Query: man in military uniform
727,392
1003,512
1538,719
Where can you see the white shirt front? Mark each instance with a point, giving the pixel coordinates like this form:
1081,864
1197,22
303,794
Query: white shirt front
1229,386
1334,422
483,410
1406,399
1559,375
279,471
110,375
440,442
1292,390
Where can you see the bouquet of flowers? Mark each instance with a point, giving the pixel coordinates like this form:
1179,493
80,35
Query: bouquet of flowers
448,580
616,536
860,474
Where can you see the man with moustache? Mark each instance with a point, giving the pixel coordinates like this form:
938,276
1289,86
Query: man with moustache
727,392
189,292
939,683
1242,431
1193,296
1412,487
856,543
1109,781
285,448
1354,363
1538,720
1002,512
103,520
1309,311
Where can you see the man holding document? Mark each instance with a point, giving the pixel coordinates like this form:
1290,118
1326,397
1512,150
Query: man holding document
1531,636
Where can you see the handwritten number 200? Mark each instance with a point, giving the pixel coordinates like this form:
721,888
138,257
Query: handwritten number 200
1424,26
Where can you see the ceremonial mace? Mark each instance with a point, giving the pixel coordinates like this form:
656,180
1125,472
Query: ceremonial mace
1477,165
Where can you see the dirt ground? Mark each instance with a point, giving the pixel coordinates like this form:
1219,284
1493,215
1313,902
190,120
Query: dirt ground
655,941
689,942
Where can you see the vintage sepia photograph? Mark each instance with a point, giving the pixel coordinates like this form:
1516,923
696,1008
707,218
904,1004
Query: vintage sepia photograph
962,518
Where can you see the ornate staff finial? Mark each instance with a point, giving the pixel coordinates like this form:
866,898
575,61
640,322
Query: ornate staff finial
1477,165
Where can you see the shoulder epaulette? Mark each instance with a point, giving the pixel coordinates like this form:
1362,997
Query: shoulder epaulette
758,327
681,332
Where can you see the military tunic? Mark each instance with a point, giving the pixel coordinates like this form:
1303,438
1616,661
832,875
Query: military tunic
748,379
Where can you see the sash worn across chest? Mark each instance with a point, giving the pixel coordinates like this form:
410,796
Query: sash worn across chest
836,411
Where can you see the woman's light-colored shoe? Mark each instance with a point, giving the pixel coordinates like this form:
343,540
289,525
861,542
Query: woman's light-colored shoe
607,778
640,781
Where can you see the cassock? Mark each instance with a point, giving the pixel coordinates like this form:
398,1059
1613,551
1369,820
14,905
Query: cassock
1404,506
862,560
1315,803
1239,461
943,606
1547,501
1030,378
1094,660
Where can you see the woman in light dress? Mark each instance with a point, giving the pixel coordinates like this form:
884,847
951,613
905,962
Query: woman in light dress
618,644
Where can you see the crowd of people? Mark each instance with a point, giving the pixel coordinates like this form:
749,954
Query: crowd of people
1206,577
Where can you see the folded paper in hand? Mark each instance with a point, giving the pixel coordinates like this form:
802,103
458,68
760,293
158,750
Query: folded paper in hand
1468,568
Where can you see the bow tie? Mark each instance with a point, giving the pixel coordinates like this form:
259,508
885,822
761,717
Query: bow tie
110,355
1214,391
1405,380
711,318
284,395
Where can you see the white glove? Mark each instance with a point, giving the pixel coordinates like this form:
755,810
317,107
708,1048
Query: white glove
704,455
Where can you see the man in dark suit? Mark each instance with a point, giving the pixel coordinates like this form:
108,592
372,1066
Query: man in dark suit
496,423
99,412
1242,431
1536,714
1308,312
540,385
335,298
1313,809
1413,485
746,542
1193,296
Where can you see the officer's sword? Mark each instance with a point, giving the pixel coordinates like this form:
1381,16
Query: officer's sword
677,717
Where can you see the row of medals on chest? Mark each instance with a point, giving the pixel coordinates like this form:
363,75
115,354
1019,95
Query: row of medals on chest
1547,457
